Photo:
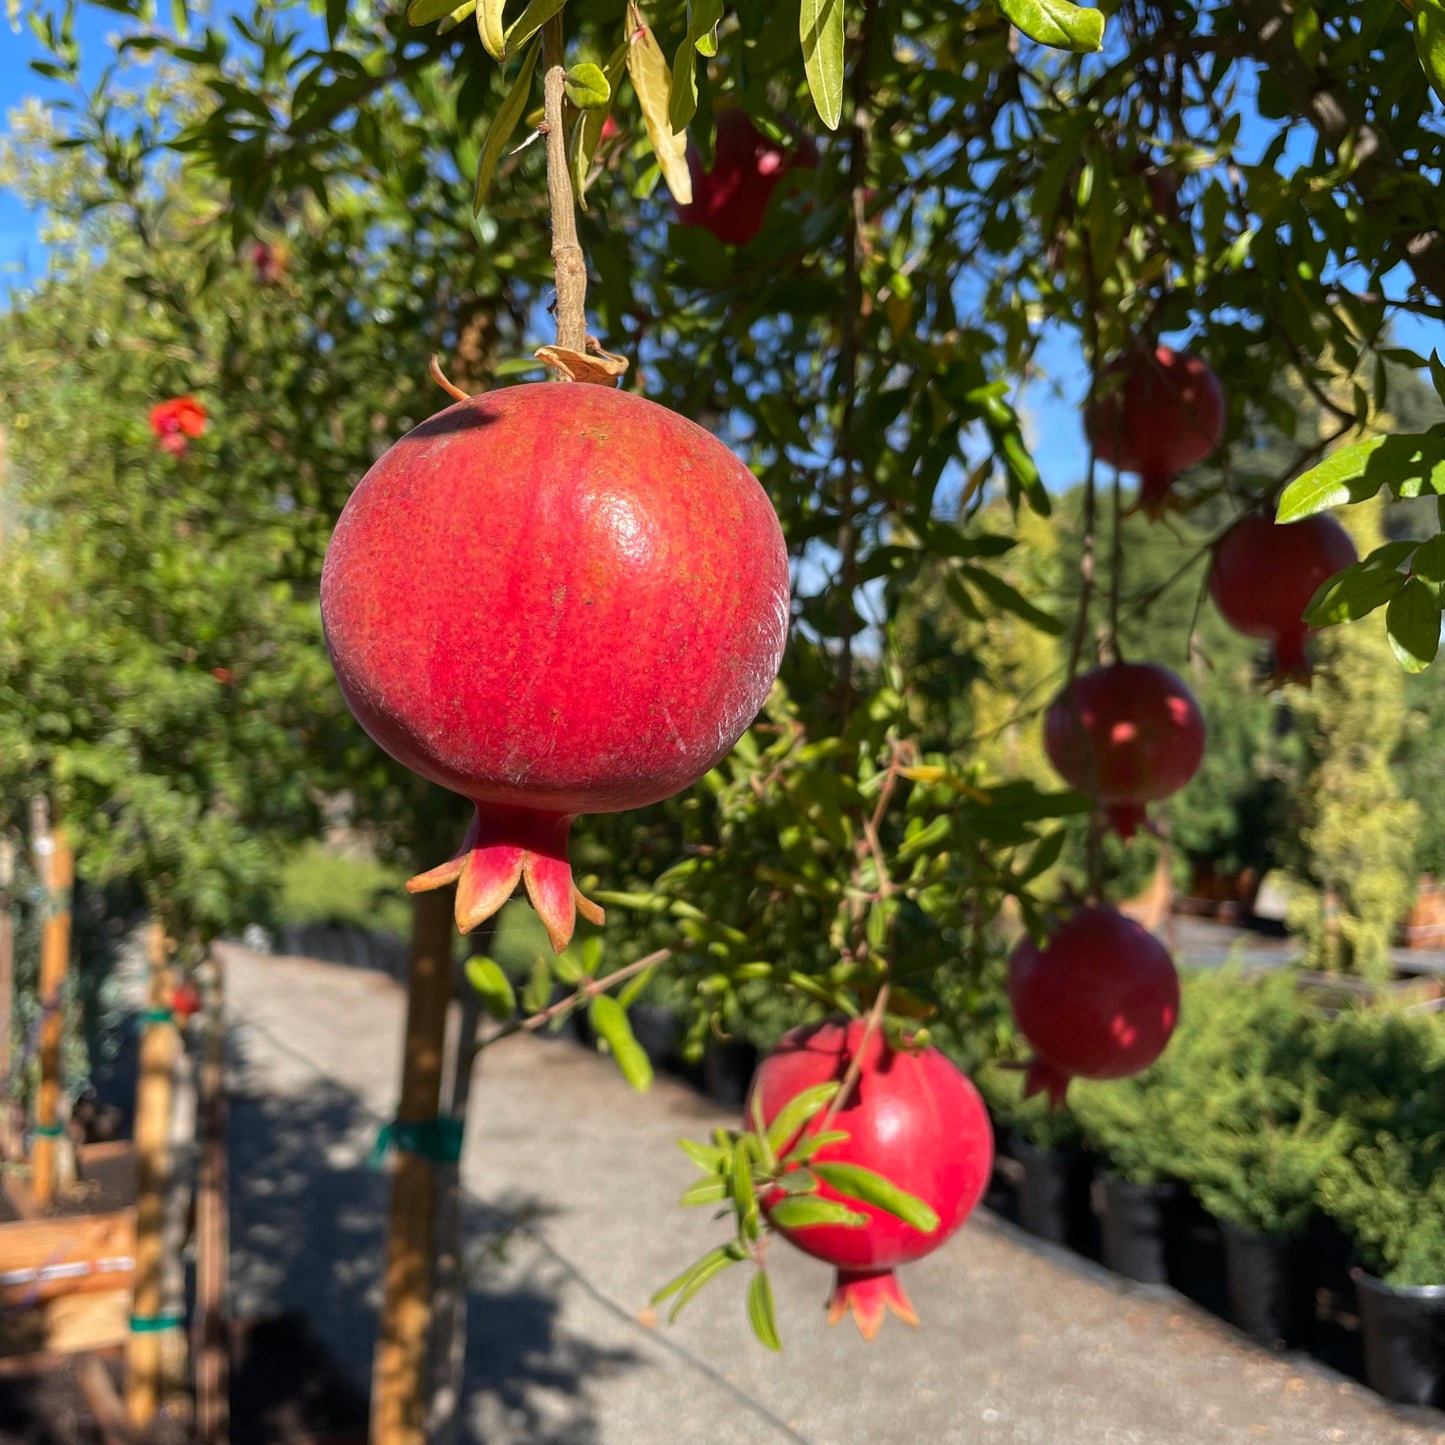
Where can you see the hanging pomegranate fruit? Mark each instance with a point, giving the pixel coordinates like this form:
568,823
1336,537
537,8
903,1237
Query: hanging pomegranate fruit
731,198
553,599
1265,574
1098,1001
1165,414
910,1117
1126,735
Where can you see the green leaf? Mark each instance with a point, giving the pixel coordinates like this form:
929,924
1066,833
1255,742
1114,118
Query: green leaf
489,27
821,28
1355,592
1412,623
1057,23
1429,559
493,987
1410,464
860,1183
1430,41
760,1311
609,1019
501,128
587,86
804,1149
682,99
427,12
745,1199
800,1211
704,1191
651,79
529,22
461,13
692,1279
702,24
537,993
1437,374
790,1119
705,1156
1043,857
1003,594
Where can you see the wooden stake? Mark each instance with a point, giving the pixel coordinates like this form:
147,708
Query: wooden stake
57,872
7,988
213,1386
158,1046
176,1217
398,1404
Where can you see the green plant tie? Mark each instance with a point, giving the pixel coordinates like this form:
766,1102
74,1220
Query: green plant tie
47,1131
157,1016
154,1324
439,1140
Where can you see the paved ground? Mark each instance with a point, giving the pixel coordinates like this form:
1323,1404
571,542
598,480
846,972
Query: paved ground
1019,1346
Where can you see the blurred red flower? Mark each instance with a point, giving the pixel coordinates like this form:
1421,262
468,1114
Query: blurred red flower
174,420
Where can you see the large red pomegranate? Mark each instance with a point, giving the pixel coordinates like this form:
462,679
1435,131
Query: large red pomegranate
1265,574
1127,735
553,599
1098,1001
911,1117
731,199
1166,414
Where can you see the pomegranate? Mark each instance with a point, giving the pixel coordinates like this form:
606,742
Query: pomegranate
731,199
173,421
1265,573
1098,1001
553,599
911,1117
1127,735
1167,414
185,1000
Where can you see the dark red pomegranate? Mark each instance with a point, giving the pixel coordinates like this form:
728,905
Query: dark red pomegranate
1265,574
731,199
911,1117
1127,735
1167,414
553,599
1098,1001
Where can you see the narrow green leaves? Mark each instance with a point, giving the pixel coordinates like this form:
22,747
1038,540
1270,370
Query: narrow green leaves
493,987
529,22
427,12
609,1019
1410,465
1430,41
802,1211
790,1119
501,128
652,80
1412,623
1361,588
1057,23
692,1279
821,28
860,1183
760,1311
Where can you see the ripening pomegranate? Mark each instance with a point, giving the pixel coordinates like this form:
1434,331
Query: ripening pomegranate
185,1000
1167,414
1127,735
731,199
173,422
911,1117
1265,574
1098,1001
553,599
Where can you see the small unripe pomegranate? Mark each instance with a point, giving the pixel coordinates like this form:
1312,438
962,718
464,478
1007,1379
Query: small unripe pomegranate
1166,414
1264,575
911,1117
1126,735
1098,1001
553,599
731,199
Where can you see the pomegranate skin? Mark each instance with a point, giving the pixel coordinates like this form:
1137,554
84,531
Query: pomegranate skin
553,599
911,1117
731,199
1128,735
1098,1001
1167,415
1265,574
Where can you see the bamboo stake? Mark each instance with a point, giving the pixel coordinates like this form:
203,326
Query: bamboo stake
398,1406
213,1422
57,871
7,987
144,1347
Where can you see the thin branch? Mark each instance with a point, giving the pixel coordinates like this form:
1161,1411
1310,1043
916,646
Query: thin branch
855,1064
567,258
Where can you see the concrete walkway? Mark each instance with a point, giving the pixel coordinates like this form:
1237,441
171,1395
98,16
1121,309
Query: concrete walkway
574,1223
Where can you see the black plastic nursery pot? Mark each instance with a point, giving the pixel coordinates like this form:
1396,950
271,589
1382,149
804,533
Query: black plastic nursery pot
658,1030
1404,1330
1270,1282
1054,1202
1134,1228
727,1070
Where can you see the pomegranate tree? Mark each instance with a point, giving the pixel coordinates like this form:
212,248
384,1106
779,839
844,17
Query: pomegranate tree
553,599
1265,573
1126,735
731,198
1165,413
1098,1001
911,1118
